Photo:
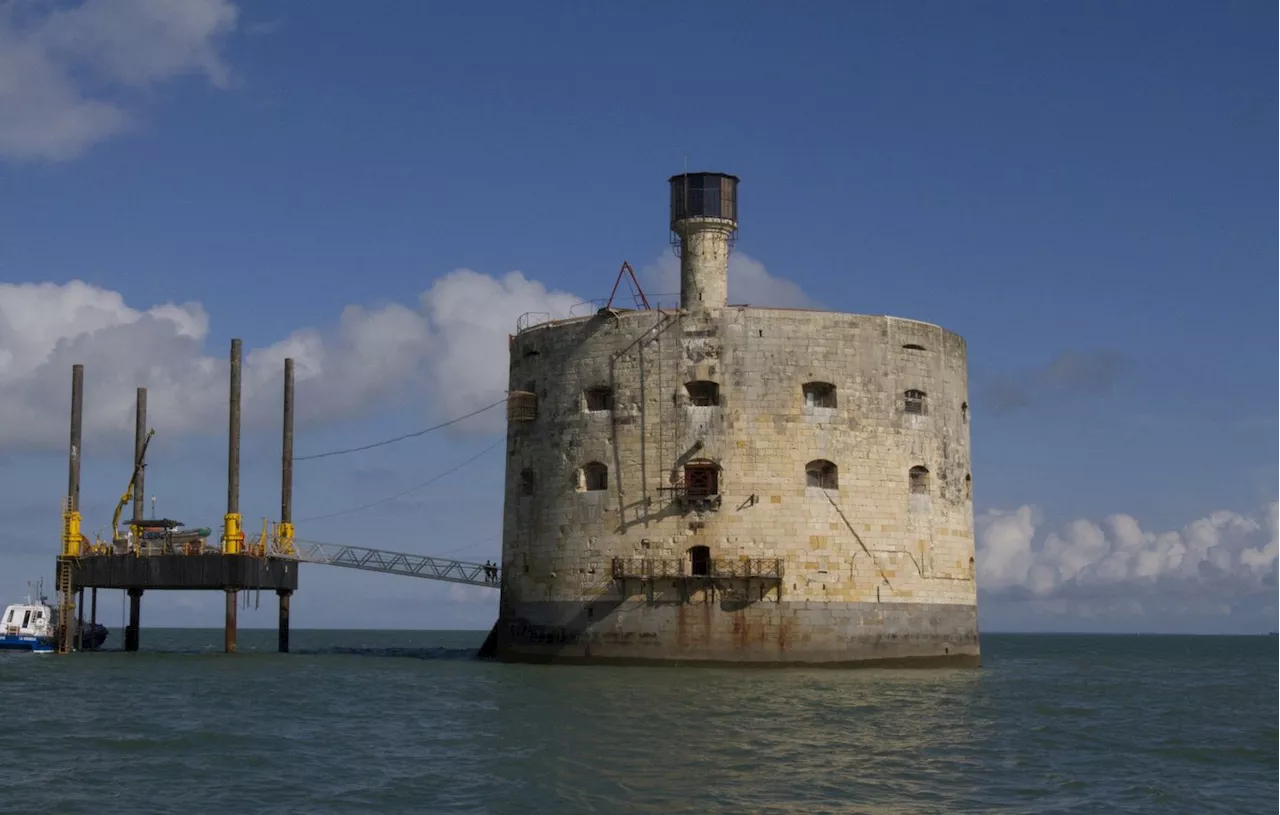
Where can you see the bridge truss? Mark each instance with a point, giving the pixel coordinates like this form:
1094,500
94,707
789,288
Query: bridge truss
402,563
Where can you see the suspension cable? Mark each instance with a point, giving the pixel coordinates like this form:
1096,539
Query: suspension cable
415,434
412,489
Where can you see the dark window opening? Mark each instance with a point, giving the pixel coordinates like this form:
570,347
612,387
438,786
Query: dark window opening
526,481
530,351
919,480
703,393
964,411
914,402
819,394
595,476
911,346
700,561
701,479
822,473
968,487
599,398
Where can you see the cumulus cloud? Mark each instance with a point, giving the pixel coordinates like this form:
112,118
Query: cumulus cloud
1087,568
749,282
472,315
1071,373
448,351
65,71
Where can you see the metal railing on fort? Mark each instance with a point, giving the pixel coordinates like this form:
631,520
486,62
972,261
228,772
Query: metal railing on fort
587,308
647,567
531,318
758,568
624,568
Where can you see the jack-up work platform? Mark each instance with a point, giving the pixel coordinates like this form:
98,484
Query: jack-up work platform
159,555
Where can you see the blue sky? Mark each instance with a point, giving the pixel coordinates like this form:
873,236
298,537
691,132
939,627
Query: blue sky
1082,190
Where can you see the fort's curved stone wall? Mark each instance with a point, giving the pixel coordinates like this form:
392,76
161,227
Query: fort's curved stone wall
876,565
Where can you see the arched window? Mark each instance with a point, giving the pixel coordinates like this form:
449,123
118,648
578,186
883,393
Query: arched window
819,395
701,479
598,398
919,480
821,473
595,476
526,481
964,412
703,393
968,487
913,402
700,561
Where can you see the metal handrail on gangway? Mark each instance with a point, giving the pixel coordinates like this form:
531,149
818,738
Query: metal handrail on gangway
402,563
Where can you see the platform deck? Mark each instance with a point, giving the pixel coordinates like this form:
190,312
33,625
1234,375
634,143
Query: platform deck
185,572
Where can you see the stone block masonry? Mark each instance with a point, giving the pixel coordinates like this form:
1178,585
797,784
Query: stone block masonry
698,445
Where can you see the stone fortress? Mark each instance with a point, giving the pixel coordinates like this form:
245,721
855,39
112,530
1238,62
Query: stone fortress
732,484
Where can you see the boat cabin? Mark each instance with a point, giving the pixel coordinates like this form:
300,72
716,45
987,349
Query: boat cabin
28,619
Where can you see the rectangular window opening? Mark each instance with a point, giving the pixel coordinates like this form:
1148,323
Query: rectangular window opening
701,480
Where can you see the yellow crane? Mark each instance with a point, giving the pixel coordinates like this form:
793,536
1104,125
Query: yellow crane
128,493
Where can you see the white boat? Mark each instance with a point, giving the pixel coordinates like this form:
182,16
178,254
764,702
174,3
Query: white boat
29,626
33,626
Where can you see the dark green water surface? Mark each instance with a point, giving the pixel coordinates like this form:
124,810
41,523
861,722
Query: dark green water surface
403,721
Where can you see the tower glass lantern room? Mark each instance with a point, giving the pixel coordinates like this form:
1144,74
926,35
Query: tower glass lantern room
704,195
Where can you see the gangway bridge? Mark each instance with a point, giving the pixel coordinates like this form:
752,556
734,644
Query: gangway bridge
402,563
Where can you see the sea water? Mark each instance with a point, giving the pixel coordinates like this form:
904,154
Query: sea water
410,722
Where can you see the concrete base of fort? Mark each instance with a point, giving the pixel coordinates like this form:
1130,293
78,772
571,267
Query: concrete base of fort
759,634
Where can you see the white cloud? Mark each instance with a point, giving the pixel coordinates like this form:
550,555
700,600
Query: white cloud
749,282
472,314
450,353
1087,568
62,68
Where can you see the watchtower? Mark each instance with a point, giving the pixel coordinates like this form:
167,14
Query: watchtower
704,224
